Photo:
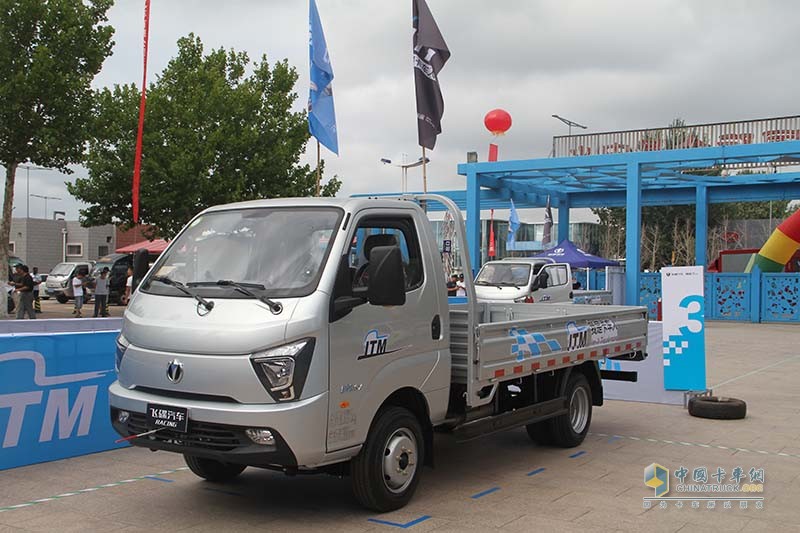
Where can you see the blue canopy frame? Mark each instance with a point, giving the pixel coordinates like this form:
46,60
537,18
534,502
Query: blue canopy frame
631,180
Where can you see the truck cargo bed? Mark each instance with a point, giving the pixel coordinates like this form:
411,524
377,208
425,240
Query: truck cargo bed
514,340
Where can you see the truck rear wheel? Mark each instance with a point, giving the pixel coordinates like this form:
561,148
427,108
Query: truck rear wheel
213,470
569,430
386,472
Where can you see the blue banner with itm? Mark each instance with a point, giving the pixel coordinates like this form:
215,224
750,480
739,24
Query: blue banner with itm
54,396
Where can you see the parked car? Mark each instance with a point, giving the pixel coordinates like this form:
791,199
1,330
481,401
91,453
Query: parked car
117,265
61,276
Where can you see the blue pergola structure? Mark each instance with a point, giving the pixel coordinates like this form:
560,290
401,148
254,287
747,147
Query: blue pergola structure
631,180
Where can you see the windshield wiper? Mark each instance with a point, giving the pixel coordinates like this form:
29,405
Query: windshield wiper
185,290
509,284
275,307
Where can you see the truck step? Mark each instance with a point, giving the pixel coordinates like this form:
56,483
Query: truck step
511,419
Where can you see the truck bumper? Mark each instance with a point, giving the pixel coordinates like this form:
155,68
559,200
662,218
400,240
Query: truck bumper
217,429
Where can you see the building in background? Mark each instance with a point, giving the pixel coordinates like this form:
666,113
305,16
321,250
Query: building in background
44,243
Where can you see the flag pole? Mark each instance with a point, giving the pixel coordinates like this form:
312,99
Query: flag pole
424,172
319,174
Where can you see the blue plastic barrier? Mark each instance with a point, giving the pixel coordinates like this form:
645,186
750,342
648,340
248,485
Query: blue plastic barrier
54,396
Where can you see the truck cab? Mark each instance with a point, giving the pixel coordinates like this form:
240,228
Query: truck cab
528,280
315,335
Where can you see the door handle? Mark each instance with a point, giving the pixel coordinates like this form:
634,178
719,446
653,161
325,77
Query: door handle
436,328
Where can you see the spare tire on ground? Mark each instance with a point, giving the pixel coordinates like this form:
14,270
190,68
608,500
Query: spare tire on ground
718,408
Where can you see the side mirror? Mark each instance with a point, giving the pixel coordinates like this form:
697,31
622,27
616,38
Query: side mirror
140,259
343,301
387,284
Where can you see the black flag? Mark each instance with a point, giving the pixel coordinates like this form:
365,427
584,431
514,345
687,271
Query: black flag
430,55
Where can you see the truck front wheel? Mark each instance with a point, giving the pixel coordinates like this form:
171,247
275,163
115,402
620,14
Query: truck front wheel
62,299
569,430
213,470
387,470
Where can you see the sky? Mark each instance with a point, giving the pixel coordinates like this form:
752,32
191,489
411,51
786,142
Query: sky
609,65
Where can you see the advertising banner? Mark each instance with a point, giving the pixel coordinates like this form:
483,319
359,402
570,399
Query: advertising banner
54,396
683,312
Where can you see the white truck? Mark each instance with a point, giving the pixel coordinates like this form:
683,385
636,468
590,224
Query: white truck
267,336
524,280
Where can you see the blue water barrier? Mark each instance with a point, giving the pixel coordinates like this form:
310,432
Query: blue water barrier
54,396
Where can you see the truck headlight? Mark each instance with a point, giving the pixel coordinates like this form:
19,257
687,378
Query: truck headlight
64,283
122,345
283,369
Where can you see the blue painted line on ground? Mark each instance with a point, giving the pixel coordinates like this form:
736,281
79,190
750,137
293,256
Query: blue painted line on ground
484,493
537,471
395,524
163,480
574,455
228,492
614,438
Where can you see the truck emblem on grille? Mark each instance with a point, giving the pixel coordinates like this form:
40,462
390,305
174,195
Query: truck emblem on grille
175,371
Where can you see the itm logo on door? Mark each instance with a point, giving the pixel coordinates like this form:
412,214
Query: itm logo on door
375,344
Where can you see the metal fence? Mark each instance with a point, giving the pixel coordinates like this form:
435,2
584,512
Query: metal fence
738,297
680,137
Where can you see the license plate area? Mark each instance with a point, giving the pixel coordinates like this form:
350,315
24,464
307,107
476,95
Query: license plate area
169,417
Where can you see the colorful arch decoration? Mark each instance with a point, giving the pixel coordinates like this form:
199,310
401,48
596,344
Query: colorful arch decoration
780,247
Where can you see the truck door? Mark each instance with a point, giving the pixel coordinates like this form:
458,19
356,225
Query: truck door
555,284
376,350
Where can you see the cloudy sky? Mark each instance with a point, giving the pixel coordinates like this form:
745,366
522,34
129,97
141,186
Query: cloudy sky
607,64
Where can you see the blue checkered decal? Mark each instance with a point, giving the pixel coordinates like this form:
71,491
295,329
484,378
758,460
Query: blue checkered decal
530,343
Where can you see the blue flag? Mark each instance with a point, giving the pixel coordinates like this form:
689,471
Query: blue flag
513,226
321,115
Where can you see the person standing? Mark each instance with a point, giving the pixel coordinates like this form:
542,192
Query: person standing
461,288
37,280
129,285
101,294
452,285
77,290
25,289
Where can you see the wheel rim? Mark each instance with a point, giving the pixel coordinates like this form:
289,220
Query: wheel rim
399,460
579,409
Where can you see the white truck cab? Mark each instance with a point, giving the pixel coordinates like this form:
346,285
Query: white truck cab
315,335
524,280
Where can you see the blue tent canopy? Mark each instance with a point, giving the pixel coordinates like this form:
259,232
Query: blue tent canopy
567,252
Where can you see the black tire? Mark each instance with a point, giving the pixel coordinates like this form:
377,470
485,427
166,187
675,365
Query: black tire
62,299
371,487
569,430
717,408
540,433
213,470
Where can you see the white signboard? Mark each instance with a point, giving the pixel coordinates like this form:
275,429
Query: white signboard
683,312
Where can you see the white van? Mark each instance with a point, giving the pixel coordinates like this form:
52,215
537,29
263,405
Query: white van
524,279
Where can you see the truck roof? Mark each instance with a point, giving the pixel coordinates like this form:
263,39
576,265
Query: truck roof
348,204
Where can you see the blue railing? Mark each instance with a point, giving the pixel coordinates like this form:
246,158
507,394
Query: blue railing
737,297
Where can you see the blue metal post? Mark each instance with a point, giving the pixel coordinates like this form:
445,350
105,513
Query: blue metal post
474,220
563,218
701,225
633,233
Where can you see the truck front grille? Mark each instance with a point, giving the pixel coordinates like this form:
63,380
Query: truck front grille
200,435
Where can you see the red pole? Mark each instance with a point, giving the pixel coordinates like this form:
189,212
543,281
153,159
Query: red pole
137,162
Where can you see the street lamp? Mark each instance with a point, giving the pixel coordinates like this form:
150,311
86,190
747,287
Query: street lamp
404,168
569,124
45,200
28,186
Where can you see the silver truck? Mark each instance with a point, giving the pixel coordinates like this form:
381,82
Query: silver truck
315,335
524,280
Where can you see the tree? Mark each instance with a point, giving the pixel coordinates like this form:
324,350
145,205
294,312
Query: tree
50,51
213,134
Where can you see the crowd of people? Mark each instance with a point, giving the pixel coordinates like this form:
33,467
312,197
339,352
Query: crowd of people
23,291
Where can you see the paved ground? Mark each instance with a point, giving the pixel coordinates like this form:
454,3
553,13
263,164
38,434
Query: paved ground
52,309
500,483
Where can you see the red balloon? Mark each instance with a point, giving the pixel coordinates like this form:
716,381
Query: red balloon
497,121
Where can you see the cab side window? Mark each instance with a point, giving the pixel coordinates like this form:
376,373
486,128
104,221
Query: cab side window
557,276
384,231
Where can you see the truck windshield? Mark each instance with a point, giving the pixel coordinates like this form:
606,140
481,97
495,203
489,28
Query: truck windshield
504,274
281,249
62,269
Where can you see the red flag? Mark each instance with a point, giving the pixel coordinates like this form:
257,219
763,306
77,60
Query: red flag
491,235
137,162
